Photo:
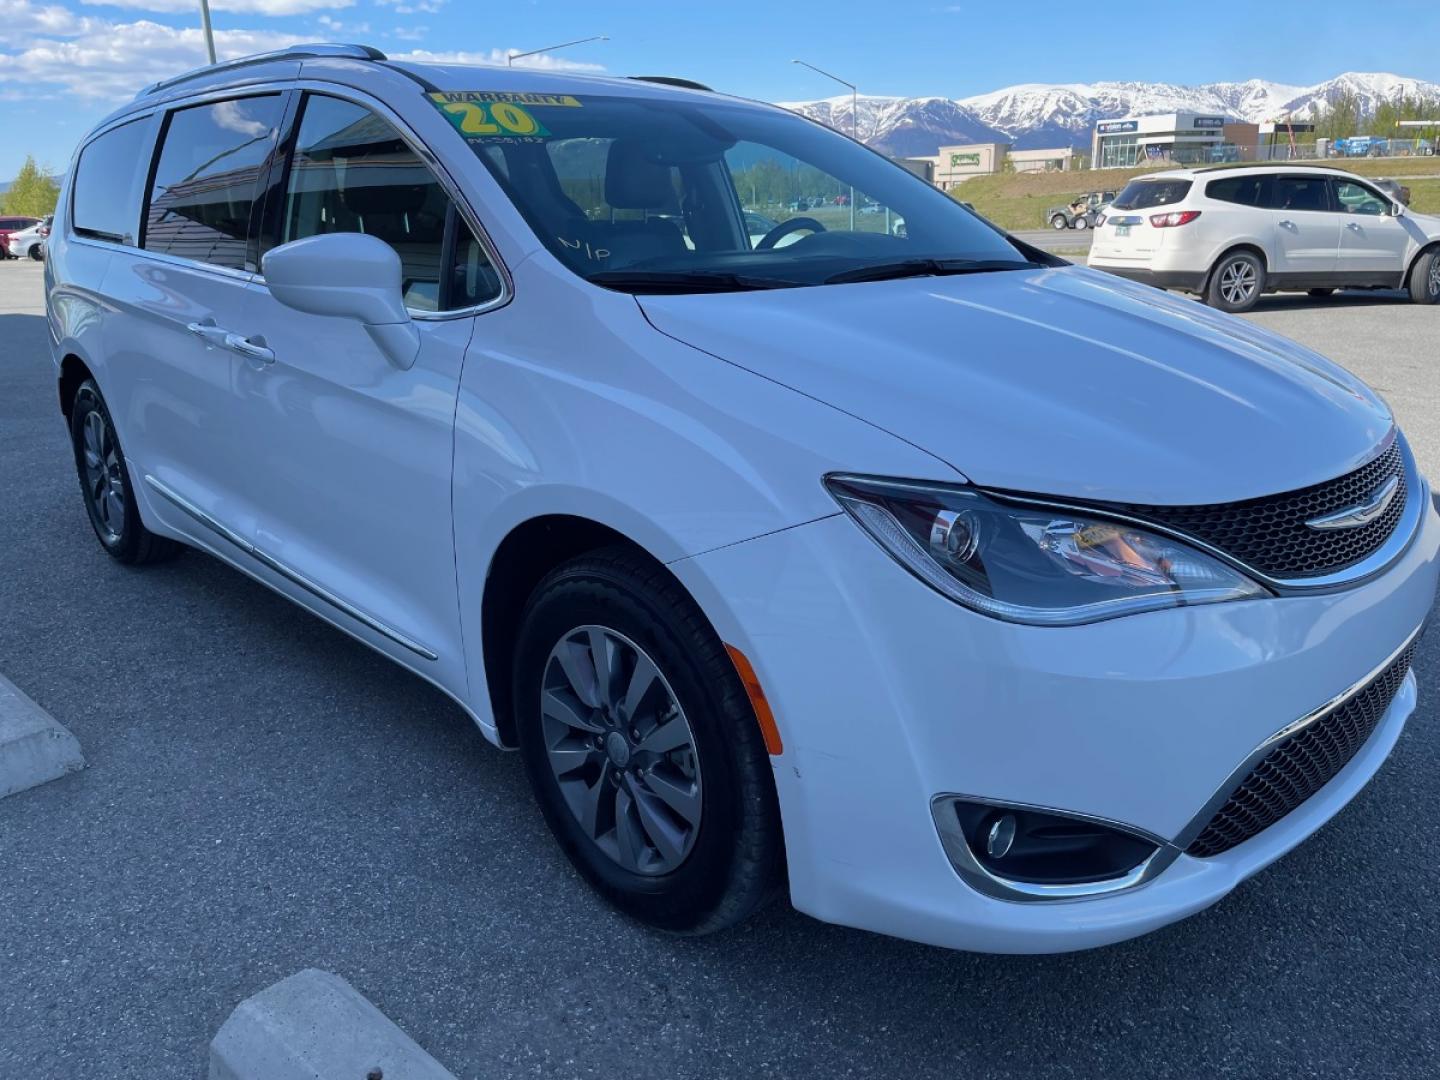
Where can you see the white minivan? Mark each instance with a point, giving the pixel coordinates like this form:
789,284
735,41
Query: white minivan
963,594
1232,234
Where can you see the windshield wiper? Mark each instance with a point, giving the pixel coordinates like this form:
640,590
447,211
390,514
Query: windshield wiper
926,268
685,281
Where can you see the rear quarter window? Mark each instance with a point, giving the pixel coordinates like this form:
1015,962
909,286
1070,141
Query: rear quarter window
1241,190
104,205
1143,194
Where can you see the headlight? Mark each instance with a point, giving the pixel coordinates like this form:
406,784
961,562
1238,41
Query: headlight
1033,565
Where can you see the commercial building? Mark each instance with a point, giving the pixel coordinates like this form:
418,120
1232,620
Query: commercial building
956,164
1059,159
1133,140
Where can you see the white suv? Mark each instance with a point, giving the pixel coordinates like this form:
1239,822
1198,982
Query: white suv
973,596
1231,234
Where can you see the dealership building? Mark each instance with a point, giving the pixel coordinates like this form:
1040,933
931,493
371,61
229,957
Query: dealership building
955,164
1179,136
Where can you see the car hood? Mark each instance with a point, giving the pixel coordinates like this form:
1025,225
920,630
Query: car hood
1062,381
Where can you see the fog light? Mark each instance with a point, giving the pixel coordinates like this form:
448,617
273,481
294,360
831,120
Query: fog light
1037,847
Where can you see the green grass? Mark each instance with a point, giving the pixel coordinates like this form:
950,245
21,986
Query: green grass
1019,200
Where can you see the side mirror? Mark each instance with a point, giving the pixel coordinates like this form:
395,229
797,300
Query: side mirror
346,276
1397,209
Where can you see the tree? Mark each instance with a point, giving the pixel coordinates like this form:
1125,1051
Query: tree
33,194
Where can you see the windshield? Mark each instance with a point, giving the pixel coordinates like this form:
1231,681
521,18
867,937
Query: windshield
642,193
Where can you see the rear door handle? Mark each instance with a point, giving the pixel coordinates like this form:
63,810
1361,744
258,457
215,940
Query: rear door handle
252,350
1354,226
1286,223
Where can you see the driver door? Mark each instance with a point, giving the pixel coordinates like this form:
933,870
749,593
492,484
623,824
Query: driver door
1372,241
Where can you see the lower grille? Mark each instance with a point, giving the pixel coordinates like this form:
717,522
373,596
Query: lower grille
1301,764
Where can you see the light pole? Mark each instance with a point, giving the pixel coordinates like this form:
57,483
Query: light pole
205,25
512,57
854,119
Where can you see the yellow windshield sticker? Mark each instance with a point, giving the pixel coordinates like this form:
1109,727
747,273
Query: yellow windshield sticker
444,97
491,119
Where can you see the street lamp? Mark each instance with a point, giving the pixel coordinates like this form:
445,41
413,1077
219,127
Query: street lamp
854,119
512,57
205,25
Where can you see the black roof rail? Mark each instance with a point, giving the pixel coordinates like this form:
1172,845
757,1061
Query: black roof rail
671,80
294,52
1231,166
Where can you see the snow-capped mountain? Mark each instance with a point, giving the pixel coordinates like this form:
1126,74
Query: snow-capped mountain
1040,115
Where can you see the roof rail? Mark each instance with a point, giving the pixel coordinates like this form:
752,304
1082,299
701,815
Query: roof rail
294,52
1280,164
670,80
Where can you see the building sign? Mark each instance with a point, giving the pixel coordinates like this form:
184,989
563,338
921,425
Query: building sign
959,160
1209,121
1111,127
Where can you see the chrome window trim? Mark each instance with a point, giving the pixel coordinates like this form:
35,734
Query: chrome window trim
988,883
1237,775
313,588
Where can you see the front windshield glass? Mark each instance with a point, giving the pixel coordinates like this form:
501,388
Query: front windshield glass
643,193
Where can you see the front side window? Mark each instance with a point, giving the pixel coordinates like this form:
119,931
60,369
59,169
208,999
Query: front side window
211,159
1353,198
1300,193
352,172
105,182
641,192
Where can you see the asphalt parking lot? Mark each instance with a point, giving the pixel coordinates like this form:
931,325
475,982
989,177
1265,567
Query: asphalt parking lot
264,794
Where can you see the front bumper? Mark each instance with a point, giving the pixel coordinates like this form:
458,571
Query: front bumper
887,695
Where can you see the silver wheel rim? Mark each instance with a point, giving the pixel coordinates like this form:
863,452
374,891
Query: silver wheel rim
1434,276
1238,281
104,478
621,750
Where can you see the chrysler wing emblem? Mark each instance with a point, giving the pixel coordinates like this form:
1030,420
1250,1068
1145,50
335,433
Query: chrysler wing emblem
1352,517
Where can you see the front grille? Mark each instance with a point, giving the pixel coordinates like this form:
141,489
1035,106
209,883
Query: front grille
1270,534
1301,764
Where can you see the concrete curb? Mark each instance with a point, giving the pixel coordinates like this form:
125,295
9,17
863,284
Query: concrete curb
316,1026
34,747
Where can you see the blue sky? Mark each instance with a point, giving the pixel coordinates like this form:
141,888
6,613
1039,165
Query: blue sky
65,63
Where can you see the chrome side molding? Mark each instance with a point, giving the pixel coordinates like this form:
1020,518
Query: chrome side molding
316,590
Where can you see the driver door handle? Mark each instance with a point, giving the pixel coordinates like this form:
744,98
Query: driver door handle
1286,223
252,350
208,332
1353,226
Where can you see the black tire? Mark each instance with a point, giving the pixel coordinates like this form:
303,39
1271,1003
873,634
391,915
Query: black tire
1081,222
1320,294
35,253
736,862
1425,278
1225,292
1059,222
132,542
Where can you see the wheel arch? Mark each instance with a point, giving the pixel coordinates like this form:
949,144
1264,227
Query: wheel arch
1431,246
73,372
527,553
1230,249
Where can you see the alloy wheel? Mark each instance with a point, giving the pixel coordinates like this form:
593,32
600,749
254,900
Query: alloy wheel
1433,279
104,477
621,750
1238,281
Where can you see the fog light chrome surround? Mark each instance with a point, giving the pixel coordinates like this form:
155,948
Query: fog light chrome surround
991,882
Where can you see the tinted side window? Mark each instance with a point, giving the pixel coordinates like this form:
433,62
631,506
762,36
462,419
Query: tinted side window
1300,193
1243,190
352,172
211,159
104,184
1143,194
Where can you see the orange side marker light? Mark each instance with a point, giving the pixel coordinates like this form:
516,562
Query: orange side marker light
758,701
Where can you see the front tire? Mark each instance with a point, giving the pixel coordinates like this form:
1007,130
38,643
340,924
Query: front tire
1082,222
105,484
642,748
1425,278
1236,282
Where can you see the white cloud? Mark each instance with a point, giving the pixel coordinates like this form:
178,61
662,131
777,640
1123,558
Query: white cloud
97,59
413,7
240,7
496,58
21,20
409,33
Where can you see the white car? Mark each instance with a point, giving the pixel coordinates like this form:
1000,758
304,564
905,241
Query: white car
965,594
29,243
1231,234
